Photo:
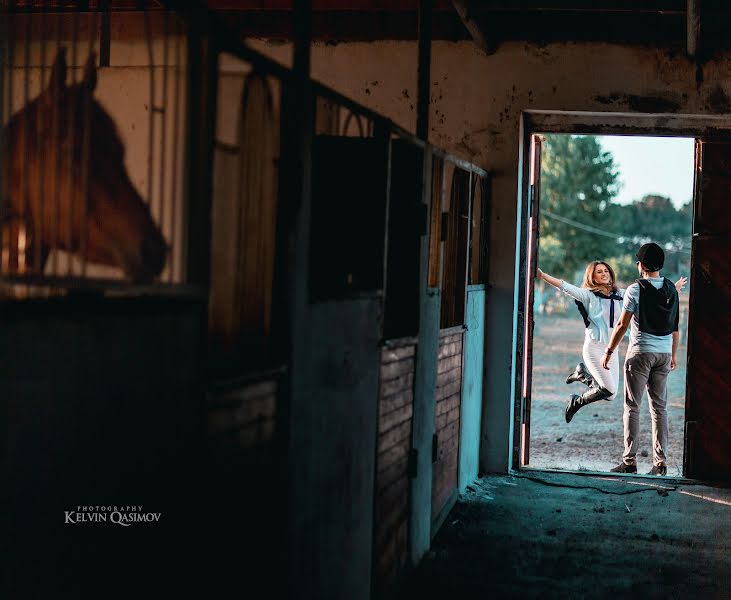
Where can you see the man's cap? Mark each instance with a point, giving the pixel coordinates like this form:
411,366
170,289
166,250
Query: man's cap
651,256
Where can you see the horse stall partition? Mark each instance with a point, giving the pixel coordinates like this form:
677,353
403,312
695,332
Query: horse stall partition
245,371
102,339
335,384
473,355
455,184
445,452
391,516
406,227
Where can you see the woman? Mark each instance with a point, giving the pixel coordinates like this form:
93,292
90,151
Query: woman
600,303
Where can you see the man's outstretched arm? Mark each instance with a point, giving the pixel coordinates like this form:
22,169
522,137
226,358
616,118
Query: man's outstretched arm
621,328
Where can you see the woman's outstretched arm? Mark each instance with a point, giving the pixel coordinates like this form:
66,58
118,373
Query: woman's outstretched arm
555,282
576,293
680,283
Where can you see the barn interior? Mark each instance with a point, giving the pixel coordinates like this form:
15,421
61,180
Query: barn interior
288,406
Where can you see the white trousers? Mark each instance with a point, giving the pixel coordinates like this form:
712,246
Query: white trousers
593,354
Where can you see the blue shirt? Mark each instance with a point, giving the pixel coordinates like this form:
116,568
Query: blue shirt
641,341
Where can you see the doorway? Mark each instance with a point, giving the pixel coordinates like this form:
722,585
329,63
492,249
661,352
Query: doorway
593,442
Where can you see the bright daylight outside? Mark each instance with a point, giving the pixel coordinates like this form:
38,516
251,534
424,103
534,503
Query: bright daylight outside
602,197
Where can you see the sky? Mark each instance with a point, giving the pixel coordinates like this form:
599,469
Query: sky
652,165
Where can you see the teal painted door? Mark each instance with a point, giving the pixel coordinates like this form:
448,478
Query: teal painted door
473,357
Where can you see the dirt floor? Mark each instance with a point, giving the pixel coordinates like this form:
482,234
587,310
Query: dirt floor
564,536
593,439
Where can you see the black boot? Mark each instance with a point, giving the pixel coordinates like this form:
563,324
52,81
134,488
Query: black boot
589,396
581,373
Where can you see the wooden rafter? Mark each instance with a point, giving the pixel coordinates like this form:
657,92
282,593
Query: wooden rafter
466,14
694,27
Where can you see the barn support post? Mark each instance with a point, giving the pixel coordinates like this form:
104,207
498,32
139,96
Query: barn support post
201,96
693,25
427,350
291,313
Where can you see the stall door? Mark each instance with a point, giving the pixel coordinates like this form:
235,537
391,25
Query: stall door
534,194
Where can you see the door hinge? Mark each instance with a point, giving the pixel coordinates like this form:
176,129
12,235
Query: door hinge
413,462
434,447
531,198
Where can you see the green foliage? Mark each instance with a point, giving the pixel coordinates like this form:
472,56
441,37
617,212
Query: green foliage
579,182
653,218
552,254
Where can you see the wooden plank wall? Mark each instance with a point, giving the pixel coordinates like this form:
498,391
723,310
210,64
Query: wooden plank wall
243,417
446,426
242,482
395,409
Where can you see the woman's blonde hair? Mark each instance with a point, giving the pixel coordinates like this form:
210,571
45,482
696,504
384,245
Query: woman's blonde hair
589,281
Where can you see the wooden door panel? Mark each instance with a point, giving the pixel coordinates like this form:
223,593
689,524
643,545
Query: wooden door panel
708,407
713,215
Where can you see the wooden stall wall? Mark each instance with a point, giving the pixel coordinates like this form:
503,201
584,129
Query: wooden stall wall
243,417
100,399
242,479
446,430
391,514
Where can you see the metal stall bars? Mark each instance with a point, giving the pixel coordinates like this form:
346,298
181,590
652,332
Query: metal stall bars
244,363
92,159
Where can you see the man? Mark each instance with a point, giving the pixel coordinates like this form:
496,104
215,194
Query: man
651,307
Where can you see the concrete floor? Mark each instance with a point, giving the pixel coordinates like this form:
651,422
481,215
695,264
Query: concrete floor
555,535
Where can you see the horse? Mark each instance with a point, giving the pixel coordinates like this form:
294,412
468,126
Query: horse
65,185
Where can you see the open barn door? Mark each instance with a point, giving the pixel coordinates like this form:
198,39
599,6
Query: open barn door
534,195
708,405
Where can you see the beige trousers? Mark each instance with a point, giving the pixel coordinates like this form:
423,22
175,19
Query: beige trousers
646,370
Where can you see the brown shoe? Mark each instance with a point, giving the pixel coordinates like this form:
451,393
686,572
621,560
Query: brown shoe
624,468
658,470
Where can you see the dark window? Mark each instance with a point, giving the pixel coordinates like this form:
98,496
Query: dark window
347,234
406,224
456,223
435,222
479,235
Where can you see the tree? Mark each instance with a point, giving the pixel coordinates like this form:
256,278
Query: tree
578,182
652,218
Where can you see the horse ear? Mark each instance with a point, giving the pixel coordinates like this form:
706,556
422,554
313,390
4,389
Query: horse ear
58,74
90,72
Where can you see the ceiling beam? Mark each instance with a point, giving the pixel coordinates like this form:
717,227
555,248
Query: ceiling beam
693,15
464,10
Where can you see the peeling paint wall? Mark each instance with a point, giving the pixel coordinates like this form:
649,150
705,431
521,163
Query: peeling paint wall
476,105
